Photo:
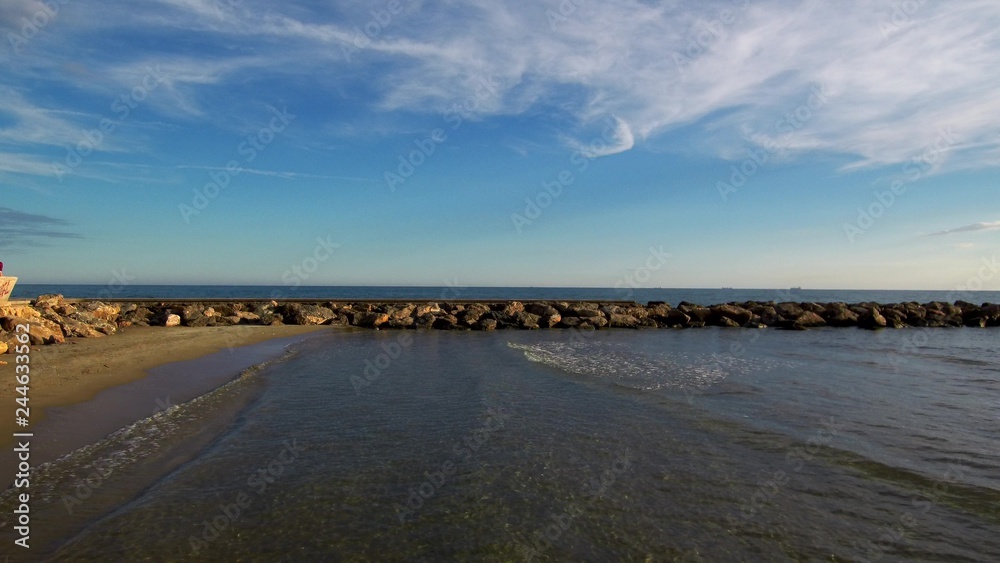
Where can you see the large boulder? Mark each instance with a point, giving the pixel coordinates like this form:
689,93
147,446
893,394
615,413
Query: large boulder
622,321
372,320
697,313
426,308
446,322
788,310
739,315
840,316
527,320
172,320
872,319
673,318
107,312
809,319
40,331
50,300
513,308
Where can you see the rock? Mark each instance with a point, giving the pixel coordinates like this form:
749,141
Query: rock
872,319
65,309
726,322
445,322
673,318
809,319
487,324
406,311
19,311
697,313
52,300
73,328
622,321
789,310
513,308
992,314
841,317
138,317
172,320
471,315
104,311
3,348
394,322
527,320
570,322
427,308
660,309
40,331
373,320
540,309
813,308
739,315
582,310
766,314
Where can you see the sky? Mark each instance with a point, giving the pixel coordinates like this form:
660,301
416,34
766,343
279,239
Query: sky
742,143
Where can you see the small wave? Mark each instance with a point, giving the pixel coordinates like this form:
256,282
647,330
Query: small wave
624,366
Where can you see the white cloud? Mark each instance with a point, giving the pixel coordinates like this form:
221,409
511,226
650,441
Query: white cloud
733,67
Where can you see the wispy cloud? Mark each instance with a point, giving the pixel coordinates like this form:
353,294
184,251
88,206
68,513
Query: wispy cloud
19,230
975,227
654,67
278,173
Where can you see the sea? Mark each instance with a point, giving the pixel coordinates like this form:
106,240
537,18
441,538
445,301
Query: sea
557,445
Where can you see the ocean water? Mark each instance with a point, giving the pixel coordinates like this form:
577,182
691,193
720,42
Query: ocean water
641,295
694,445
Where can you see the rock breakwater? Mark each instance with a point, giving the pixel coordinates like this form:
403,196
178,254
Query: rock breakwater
53,318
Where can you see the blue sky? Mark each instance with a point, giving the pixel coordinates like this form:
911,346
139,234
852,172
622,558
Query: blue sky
574,143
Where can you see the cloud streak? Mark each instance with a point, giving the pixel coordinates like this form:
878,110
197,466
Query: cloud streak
975,227
19,230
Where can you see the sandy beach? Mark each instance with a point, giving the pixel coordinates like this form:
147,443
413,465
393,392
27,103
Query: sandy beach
78,369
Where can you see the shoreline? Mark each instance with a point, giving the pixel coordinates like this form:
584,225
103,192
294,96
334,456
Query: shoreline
80,369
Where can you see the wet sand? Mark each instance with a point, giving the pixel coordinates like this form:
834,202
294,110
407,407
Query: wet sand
78,370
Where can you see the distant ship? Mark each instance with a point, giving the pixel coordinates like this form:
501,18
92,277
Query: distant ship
727,288
6,285
796,289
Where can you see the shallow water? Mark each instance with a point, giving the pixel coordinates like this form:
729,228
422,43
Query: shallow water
694,445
